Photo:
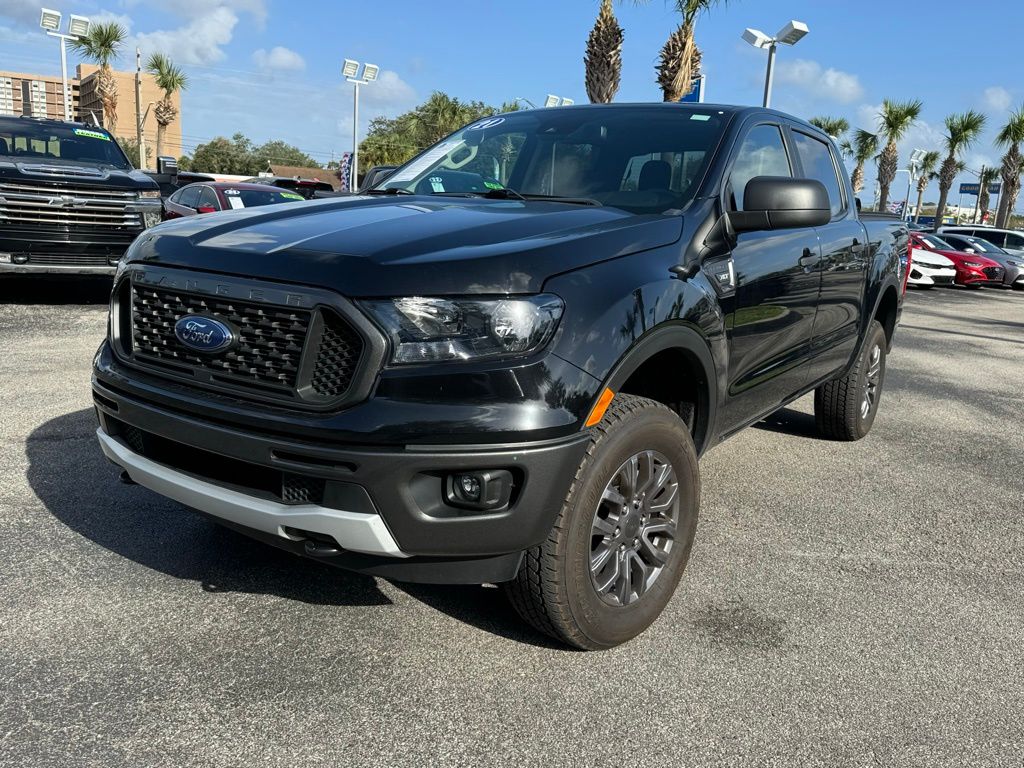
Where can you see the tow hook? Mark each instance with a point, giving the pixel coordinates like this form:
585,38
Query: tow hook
320,549
125,478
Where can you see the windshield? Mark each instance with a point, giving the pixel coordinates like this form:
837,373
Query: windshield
251,198
983,245
26,140
641,159
936,244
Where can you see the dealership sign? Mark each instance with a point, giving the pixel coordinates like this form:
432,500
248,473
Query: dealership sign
973,189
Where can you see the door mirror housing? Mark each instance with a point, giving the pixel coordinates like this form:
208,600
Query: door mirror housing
779,202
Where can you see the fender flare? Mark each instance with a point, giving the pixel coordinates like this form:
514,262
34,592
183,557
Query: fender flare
696,347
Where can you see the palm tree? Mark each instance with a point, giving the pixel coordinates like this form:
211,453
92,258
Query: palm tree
603,59
680,57
102,46
986,178
962,131
1010,136
864,146
169,79
833,126
893,121
927,170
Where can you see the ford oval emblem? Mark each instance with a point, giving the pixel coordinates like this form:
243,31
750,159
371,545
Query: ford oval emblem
203,334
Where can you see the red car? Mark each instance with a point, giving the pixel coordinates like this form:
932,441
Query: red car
212,196
971,268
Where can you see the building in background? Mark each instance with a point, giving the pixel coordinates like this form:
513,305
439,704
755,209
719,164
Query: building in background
40,96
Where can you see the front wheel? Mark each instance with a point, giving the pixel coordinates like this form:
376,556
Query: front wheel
623,537
845,408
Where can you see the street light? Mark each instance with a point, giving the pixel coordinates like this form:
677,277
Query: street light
790,34
557,101
78,26
350,70
527,102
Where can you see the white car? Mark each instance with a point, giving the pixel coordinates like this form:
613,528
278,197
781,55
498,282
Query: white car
928,269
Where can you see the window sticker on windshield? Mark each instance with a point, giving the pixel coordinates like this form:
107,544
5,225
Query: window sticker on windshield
292,196
489,123
236,202
437,183
91,134
702,118
493,185
231,192
424,161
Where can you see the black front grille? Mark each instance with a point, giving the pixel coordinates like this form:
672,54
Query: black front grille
301,489
71,259
994,273
336,357
266,355
280,353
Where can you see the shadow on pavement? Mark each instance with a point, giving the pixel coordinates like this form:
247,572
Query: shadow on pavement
76,483
790,422
54,290
79,487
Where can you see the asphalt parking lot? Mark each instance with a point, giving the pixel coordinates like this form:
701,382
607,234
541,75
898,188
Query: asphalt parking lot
846,604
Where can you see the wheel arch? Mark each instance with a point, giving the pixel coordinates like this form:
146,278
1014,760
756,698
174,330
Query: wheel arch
689,387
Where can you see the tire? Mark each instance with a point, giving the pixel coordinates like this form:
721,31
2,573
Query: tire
554,590
845,408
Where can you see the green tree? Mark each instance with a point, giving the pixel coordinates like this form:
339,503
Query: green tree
894,121
927,174
1010,137
833,126
603,59
863,148
131,148
102,46
986,178
281,153
169,79
962,130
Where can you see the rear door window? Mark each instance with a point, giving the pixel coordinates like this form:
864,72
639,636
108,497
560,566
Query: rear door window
189,197
818,164
208,199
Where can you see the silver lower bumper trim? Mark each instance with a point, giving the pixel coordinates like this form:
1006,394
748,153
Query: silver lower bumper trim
354,531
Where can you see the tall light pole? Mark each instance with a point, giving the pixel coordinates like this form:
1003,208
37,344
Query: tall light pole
78,26
350,69
790,34
527,102
915,160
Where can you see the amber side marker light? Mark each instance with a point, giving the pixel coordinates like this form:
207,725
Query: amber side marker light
600,407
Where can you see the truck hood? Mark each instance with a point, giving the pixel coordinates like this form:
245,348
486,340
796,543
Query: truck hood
73,175
376,246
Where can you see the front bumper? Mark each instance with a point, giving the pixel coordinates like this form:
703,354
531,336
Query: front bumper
921,274
381,510
56,269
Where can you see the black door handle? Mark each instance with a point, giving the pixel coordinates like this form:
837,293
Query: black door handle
809,259
857,247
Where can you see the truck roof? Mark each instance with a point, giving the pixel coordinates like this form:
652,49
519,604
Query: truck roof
52,121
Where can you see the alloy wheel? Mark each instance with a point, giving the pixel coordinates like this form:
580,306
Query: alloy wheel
873,381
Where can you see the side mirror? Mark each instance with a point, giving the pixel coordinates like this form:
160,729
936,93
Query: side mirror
779,202
167,165
206,209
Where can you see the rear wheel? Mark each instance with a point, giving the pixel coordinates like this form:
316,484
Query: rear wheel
623,537
845,408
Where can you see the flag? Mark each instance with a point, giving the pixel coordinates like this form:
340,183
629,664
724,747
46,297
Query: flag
897,207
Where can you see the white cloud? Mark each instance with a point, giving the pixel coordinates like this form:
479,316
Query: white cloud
388,93
996,98
830,84
279,58
198,42
21,11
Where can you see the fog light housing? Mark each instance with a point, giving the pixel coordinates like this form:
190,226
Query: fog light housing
485,490
19,258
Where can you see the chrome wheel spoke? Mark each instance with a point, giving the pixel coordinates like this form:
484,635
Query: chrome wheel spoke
654,554
605,525
624,586
613,497
600,559
665,500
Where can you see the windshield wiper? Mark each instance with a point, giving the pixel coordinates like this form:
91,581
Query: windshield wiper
388,191
491,194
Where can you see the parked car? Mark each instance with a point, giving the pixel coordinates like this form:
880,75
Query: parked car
1013,266
972,269
928,269
210,197
513,384
70,201
1010,240
307,188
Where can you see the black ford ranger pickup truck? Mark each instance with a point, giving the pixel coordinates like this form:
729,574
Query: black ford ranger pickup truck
70,201
501,364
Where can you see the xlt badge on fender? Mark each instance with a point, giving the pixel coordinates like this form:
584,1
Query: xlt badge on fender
203,334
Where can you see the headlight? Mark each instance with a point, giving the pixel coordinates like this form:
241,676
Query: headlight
426,330
972,263
150,194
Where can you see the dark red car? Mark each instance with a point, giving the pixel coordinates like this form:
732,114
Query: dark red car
971,268
213,196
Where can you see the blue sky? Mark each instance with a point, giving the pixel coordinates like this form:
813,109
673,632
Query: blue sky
270,68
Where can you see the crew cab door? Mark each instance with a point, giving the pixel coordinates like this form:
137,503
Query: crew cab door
776,291
844,260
